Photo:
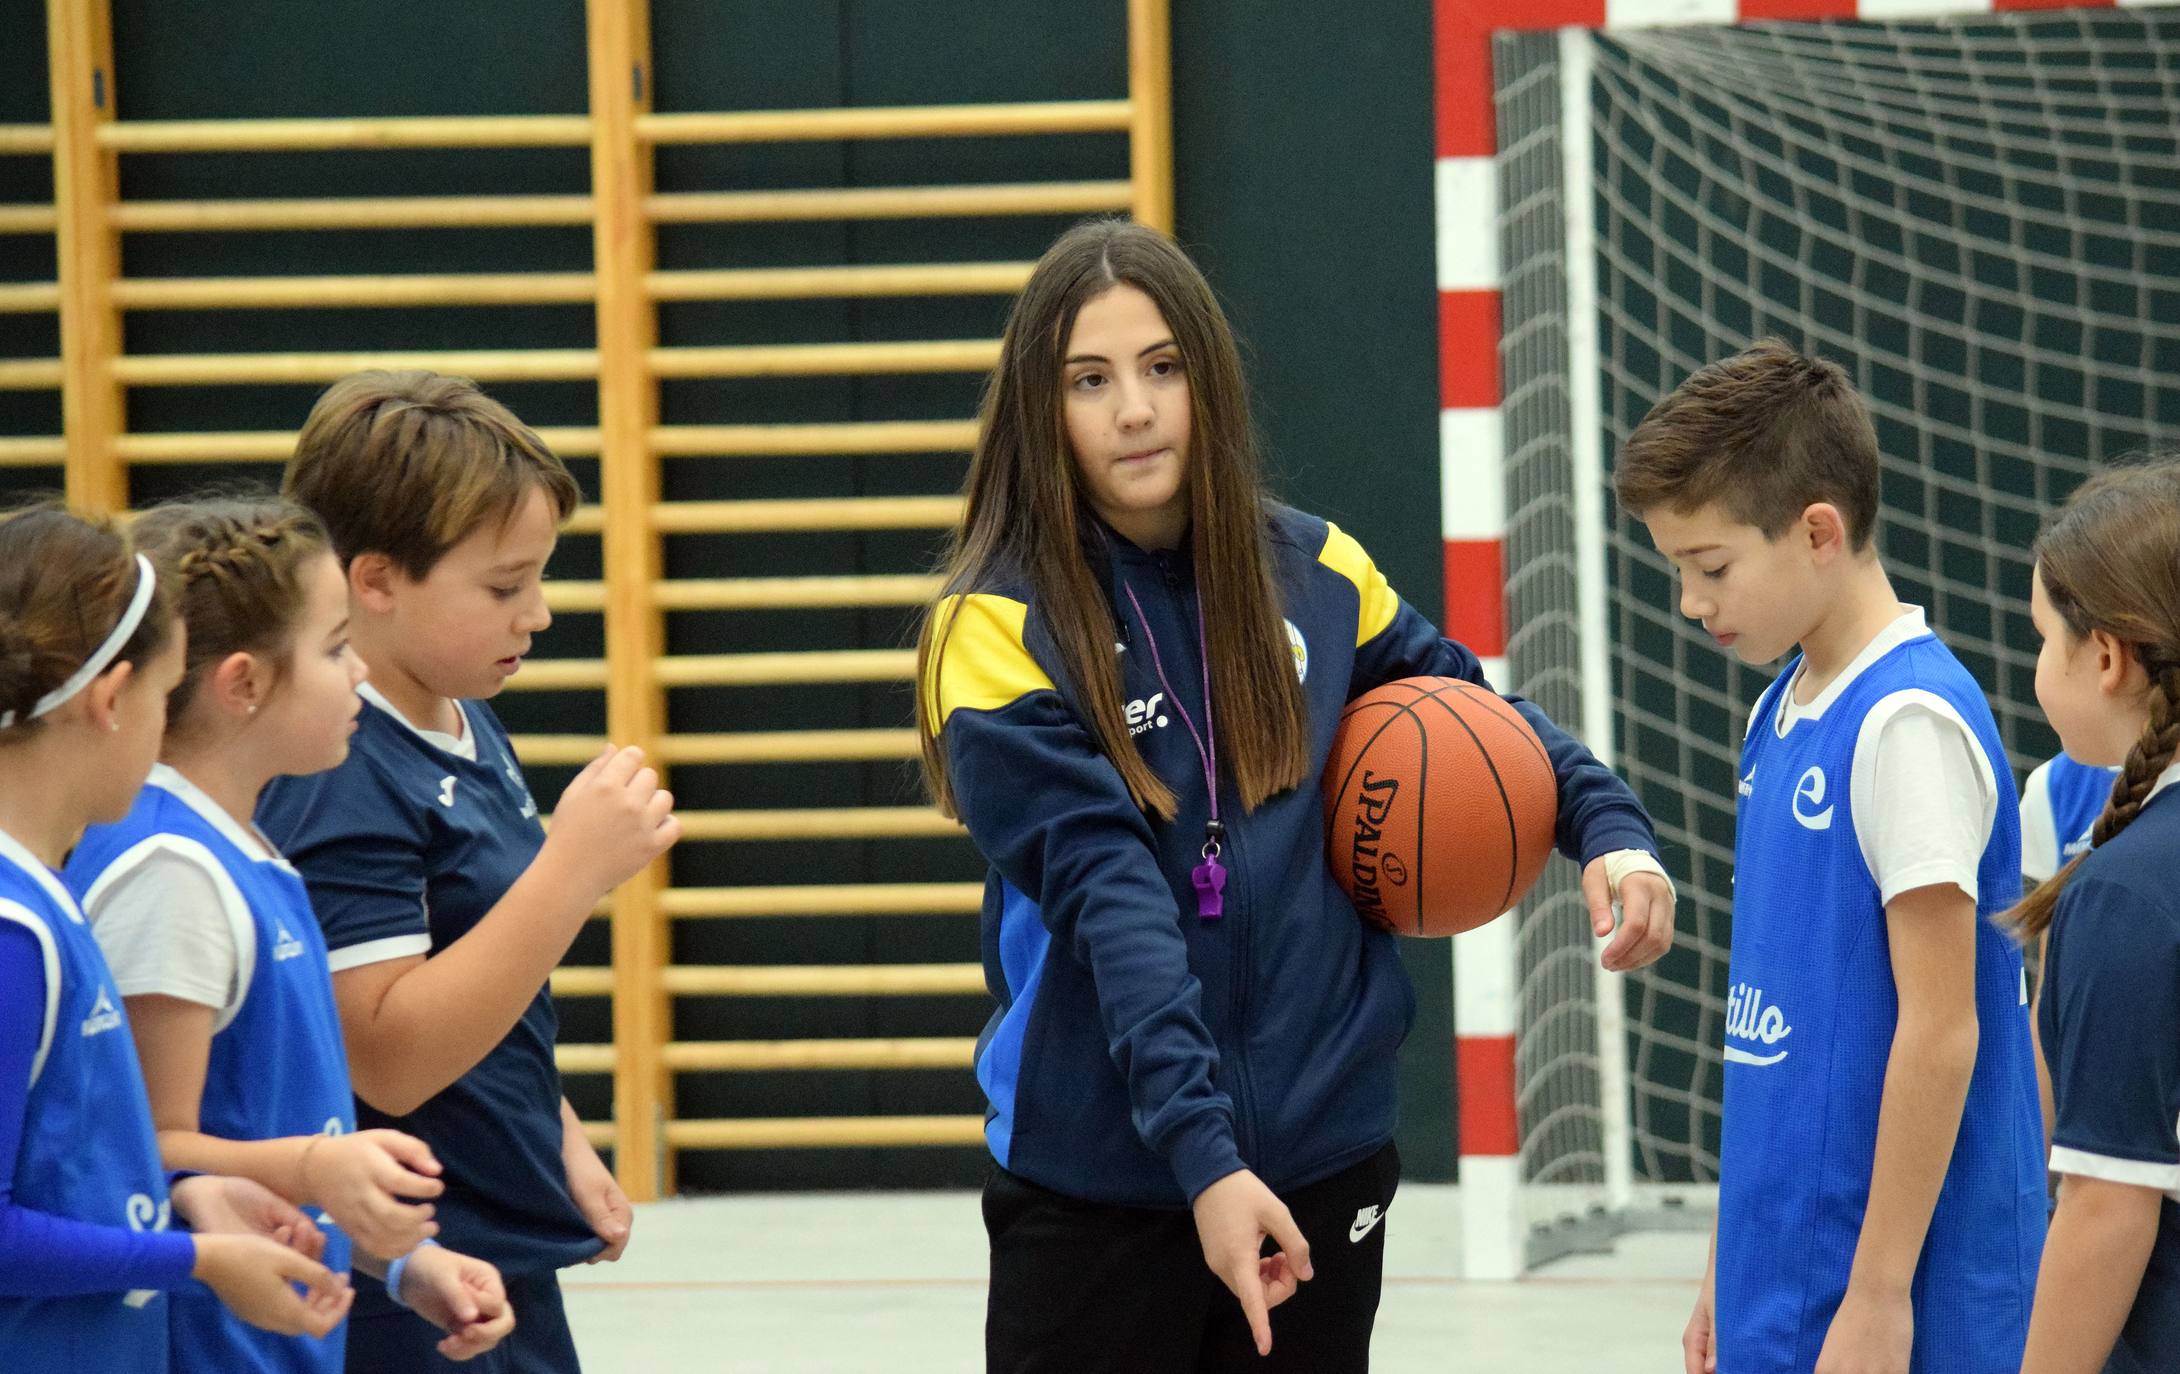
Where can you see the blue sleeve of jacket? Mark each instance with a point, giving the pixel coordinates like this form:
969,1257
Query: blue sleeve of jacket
1049,811
1598,813
43,1255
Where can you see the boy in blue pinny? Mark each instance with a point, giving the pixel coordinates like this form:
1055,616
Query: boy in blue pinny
1881,1185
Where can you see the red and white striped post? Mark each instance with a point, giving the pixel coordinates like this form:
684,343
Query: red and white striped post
1472,503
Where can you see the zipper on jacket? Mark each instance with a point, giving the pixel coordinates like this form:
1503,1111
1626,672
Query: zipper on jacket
1237,921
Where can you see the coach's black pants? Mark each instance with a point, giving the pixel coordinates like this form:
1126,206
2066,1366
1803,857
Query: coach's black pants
1082,1287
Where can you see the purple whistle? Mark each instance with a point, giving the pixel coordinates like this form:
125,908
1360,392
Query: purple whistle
1210,880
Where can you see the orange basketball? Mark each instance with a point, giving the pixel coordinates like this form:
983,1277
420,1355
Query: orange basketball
1440,805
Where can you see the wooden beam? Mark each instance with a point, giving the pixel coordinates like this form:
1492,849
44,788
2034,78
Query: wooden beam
79,41
1150,113
621,178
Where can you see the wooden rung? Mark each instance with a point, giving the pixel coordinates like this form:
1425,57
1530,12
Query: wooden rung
32,451
765,441
825,899
288,293
822,980
29,139
28,219
824,1132
826,283
775,669
788,1056
579,597
30,374
825,359
888,202
560,675
576,981
382,212
274,446
29,298
586,520
790,746
484,365
899,121
818,823
728,670
600,1134
757,593
297,135
583,1058
800,593
538,751
811,513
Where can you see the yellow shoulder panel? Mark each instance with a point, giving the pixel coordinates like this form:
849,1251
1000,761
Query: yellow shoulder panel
981,661
1379,602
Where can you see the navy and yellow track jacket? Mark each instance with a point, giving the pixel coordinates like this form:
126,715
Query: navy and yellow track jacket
1139,1052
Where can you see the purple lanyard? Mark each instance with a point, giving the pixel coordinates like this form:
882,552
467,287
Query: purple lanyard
1209,877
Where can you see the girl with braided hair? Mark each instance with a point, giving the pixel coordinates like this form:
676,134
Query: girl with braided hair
2106,599
214,947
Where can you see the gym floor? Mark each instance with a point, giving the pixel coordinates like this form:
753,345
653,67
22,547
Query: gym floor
895,1282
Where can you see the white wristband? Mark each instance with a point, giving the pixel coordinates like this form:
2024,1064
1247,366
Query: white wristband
395,1270
1622,862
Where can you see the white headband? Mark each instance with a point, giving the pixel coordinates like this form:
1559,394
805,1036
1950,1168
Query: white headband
103,655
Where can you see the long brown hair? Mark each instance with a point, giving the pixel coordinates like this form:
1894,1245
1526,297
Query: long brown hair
237,568
1026,514
2110,561
65,582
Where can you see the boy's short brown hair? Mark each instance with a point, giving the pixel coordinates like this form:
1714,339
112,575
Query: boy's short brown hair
409,464
1764,434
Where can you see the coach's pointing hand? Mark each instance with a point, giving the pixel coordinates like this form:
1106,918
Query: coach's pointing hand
1233,1216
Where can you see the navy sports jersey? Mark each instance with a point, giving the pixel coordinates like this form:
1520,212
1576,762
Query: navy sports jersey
1140,1051
88,1148
2110,1019
1810,1019
2059,808
277,1067
405,847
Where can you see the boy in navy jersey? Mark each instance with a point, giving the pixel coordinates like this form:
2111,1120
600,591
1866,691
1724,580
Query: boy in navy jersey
1881,1187
443,904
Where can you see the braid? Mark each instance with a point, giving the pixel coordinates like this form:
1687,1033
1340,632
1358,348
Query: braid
239,549
2151,756
239,565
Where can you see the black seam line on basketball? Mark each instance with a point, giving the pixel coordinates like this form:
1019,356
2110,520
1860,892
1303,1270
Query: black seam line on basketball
1470,689
1513,868
1399,709
1422,789
1527,732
